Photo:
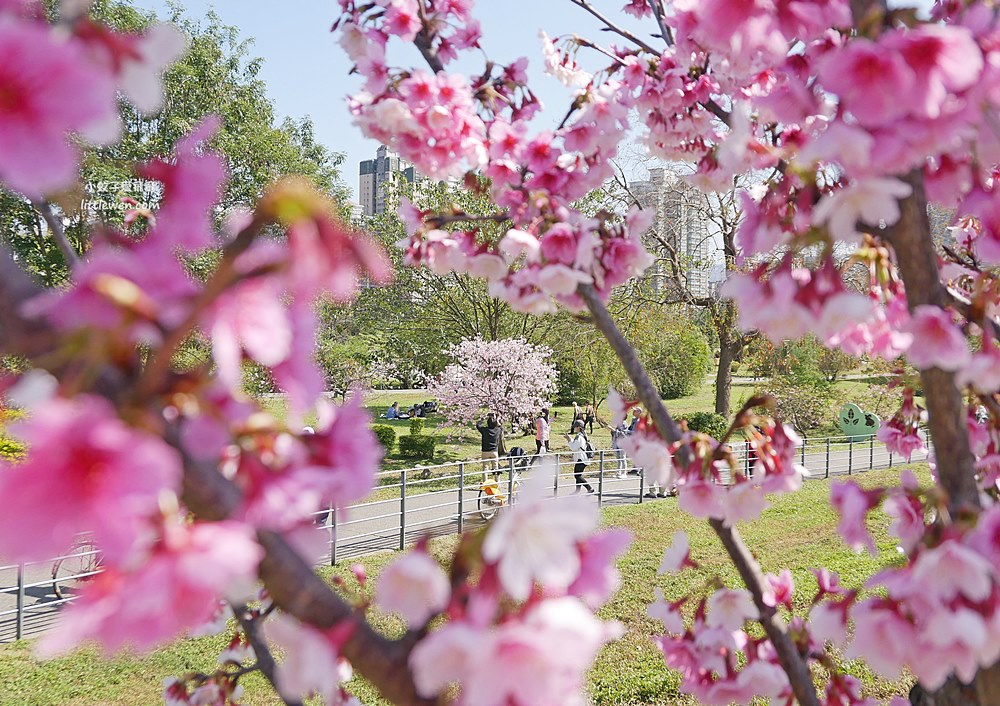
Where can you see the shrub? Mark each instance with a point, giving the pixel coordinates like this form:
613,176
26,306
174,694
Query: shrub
386,436
709,423
416,426
677,359
805,407
417,446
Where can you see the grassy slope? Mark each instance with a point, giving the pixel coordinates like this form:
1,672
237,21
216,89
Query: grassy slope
798,532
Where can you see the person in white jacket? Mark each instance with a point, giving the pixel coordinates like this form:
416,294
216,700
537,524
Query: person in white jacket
579,444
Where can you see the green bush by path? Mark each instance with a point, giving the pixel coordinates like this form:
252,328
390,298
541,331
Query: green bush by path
707,423
416,426
417,446
386,436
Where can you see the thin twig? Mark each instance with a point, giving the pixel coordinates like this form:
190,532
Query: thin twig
265,660
661,19
791,661
58,231
622,32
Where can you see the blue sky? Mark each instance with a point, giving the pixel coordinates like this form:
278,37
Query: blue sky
306,71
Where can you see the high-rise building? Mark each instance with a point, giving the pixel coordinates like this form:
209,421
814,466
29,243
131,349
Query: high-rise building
679,232
376,174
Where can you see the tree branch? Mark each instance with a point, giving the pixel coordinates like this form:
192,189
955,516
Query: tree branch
917,261
612,27
265,660
58,231
791,661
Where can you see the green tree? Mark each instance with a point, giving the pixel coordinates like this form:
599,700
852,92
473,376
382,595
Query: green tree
673,349
218,75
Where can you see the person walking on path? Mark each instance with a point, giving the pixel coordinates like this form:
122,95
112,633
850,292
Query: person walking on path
589,417
579,444
492,434
576,416
617,434
542,431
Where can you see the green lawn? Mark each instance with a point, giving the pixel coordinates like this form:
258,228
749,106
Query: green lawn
797,532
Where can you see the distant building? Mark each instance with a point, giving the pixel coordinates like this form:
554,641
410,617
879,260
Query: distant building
680,226
376,174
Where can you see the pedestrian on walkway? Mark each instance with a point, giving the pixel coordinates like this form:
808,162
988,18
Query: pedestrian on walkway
617,434
542,431
589,417
492,434
580,445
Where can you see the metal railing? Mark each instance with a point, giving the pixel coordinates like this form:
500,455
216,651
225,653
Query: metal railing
431,500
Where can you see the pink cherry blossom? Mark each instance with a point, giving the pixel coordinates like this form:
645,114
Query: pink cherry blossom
192,184
667,613
937,341
951,569
907,515
743,502
853,503
414,586
875,85
50,91
677,555
311,663
982,372
599,578
702,498
882,637
781,589
83,460
176,588
535,540
869,201
509,377
729,609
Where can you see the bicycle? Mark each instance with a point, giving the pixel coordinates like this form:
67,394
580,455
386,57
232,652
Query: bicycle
82,563
493,496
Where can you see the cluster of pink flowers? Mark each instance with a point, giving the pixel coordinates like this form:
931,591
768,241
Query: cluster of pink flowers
718,661
510,378
448,125
937,615
58,84
713,484
902,434
116,474
546,556
791,301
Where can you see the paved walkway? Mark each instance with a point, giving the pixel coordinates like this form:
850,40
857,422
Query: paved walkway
376,526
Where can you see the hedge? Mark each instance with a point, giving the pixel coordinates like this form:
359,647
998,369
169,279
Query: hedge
416,426
714,425
417,446
386,436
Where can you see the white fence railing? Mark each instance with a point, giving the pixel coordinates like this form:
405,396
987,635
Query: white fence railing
409,503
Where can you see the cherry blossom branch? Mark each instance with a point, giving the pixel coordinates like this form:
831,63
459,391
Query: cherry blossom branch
423,43
265,660
658,12
58,231
791,661
917,262
295,588
612,27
